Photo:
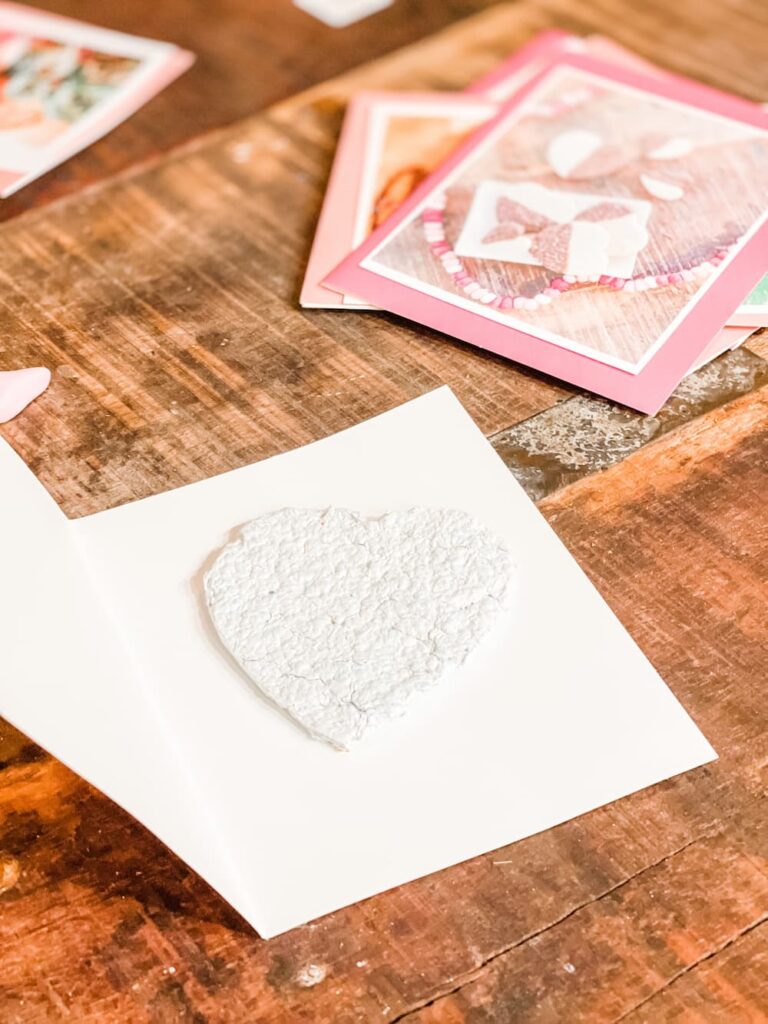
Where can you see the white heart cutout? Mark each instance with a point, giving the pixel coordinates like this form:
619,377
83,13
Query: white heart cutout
671,149
339,619
665,190
570,149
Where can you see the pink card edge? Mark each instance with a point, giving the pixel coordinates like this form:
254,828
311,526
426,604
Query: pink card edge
547,42
646,391
336,224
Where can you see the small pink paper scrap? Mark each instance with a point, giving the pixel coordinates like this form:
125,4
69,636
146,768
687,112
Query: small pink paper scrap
20,387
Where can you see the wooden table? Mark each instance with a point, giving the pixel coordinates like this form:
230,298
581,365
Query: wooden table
164,297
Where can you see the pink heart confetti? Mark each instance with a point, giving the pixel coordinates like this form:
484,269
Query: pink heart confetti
604,211
20,387
504,232
510,210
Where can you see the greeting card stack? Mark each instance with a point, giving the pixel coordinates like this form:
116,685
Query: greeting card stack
578,211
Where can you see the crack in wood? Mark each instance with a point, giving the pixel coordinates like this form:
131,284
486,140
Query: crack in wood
692,967
476,972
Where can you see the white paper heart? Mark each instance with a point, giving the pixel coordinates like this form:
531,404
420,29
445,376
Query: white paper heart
671,149
581,154
340,619
665,190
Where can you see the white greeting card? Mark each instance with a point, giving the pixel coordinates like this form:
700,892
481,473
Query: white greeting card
557,712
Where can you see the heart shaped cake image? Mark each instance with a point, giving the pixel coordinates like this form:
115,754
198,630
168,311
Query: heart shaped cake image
340,619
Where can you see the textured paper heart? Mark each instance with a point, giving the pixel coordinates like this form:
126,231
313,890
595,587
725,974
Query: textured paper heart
340,619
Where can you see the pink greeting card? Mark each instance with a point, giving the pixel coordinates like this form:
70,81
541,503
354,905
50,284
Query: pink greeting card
389,144
501,83
64,84
392,141
601,229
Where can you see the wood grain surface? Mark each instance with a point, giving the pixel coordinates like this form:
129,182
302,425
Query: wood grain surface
165,301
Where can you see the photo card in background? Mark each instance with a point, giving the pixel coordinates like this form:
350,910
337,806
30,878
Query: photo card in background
64,84
389,144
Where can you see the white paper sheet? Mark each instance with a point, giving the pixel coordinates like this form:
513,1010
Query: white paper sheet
558,713
66,681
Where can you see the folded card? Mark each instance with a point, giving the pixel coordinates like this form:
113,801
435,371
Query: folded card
133,688
619,296
64,84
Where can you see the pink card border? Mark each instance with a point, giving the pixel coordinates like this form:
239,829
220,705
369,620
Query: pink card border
646,390
555,41
546,44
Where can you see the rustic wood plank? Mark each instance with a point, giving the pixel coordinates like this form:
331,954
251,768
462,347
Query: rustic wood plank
165,303
165,300
736,975
611,960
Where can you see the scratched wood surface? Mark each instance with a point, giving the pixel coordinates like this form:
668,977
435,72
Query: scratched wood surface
165,301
